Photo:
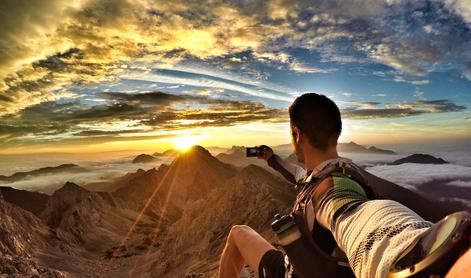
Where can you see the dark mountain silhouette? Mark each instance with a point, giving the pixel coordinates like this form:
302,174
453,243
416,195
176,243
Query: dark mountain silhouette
420,159
41,171
144,158
33,202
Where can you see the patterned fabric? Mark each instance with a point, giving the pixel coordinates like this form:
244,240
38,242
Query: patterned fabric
343,196
374,235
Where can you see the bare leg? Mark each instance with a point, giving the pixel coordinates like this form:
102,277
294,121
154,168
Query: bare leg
462,267
243,246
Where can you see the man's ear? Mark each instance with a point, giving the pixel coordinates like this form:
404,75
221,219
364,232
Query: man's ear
297,135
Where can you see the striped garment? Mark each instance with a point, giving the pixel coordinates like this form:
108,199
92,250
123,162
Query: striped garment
372,233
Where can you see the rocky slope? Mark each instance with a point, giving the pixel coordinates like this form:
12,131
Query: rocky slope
22,235
193,243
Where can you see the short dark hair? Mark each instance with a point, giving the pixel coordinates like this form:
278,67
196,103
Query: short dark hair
318,118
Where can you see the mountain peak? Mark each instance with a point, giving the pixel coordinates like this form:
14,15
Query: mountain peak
196,152
70,187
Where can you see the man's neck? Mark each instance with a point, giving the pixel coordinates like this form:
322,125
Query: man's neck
313,157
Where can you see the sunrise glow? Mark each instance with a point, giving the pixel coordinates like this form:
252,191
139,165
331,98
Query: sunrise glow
185,142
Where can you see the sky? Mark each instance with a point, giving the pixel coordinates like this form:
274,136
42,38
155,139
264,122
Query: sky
101,75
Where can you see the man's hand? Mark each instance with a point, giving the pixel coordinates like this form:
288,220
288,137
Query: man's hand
266,153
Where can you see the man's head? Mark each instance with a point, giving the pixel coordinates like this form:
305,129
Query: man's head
315,120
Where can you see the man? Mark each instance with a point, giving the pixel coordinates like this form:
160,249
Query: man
372,233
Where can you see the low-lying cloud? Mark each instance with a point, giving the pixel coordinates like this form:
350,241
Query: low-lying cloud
103,171
412,175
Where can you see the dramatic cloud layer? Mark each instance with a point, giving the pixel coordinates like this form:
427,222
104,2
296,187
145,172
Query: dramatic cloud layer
222,63
124,116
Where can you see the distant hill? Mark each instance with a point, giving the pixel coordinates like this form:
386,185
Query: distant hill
169,152
420,159
144,158
354,147
41,171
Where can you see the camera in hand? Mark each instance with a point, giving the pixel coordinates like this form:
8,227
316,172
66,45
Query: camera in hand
256,151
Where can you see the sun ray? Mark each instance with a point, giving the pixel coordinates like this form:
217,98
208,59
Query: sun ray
140,215
162,214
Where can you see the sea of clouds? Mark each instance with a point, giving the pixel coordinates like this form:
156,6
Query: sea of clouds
88,172
412,175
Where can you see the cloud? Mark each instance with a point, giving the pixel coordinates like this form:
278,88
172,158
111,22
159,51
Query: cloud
130,116
372,110
461,7
304,68
283,59
412,175
399,78
203,80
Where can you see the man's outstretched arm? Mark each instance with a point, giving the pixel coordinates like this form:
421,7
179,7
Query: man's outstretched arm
290,171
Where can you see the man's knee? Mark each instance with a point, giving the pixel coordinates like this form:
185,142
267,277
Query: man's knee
239,232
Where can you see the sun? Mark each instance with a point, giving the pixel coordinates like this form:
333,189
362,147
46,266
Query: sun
184,143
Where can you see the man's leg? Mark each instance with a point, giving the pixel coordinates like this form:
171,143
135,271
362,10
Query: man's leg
462,266
243,246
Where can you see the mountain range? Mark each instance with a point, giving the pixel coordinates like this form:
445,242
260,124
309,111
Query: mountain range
165,222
